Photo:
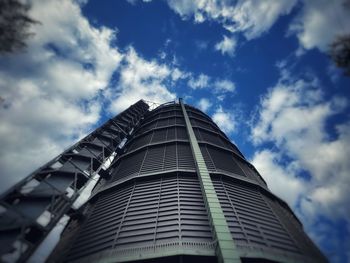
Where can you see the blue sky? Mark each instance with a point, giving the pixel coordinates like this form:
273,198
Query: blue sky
258,68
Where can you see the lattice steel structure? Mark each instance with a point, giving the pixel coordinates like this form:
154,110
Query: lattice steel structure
33,207
180,191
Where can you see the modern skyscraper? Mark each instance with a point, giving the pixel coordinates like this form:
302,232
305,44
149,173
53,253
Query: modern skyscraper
177,191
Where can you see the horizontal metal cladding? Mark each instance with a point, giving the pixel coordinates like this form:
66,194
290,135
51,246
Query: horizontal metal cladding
197,114
203,134
164,135
167,112
213,137
225,162
218,160
158,135
162,211
295,230
159,145
164,108
160,123
174,156
171,115
219,153
258,222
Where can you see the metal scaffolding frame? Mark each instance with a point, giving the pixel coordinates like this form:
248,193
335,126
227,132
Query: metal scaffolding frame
32,208
226,250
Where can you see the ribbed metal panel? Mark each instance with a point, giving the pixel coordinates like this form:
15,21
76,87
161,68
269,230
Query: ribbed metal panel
259,222
160,158
294,229
252,222
146,213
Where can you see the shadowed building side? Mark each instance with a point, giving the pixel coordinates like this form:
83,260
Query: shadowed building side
160,203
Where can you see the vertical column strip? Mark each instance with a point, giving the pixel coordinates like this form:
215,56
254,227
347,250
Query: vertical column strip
226,250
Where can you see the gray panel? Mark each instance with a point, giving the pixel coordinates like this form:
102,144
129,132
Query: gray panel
140,141
251,220
130,165
155,159
224,160
295,229
145,213
170,158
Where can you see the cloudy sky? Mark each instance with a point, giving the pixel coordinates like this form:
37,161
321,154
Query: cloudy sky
259,68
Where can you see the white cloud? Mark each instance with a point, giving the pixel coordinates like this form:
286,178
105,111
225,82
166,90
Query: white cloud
316,25
225,120
320,21
177,74
294,116
199,83
141,79
224,85
185,8
227,46
334,72
282,181
50,92
162,55
320,220
204,104
286,105
201,44
250,17
218,86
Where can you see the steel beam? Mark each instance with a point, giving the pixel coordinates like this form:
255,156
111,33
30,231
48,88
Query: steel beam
31,209
226,250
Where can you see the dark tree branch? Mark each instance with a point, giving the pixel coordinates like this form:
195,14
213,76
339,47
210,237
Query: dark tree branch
339,51
14,25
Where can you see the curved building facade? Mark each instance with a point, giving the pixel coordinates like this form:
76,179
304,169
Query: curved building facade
181,191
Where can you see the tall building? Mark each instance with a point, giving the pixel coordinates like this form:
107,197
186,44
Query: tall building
177,191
